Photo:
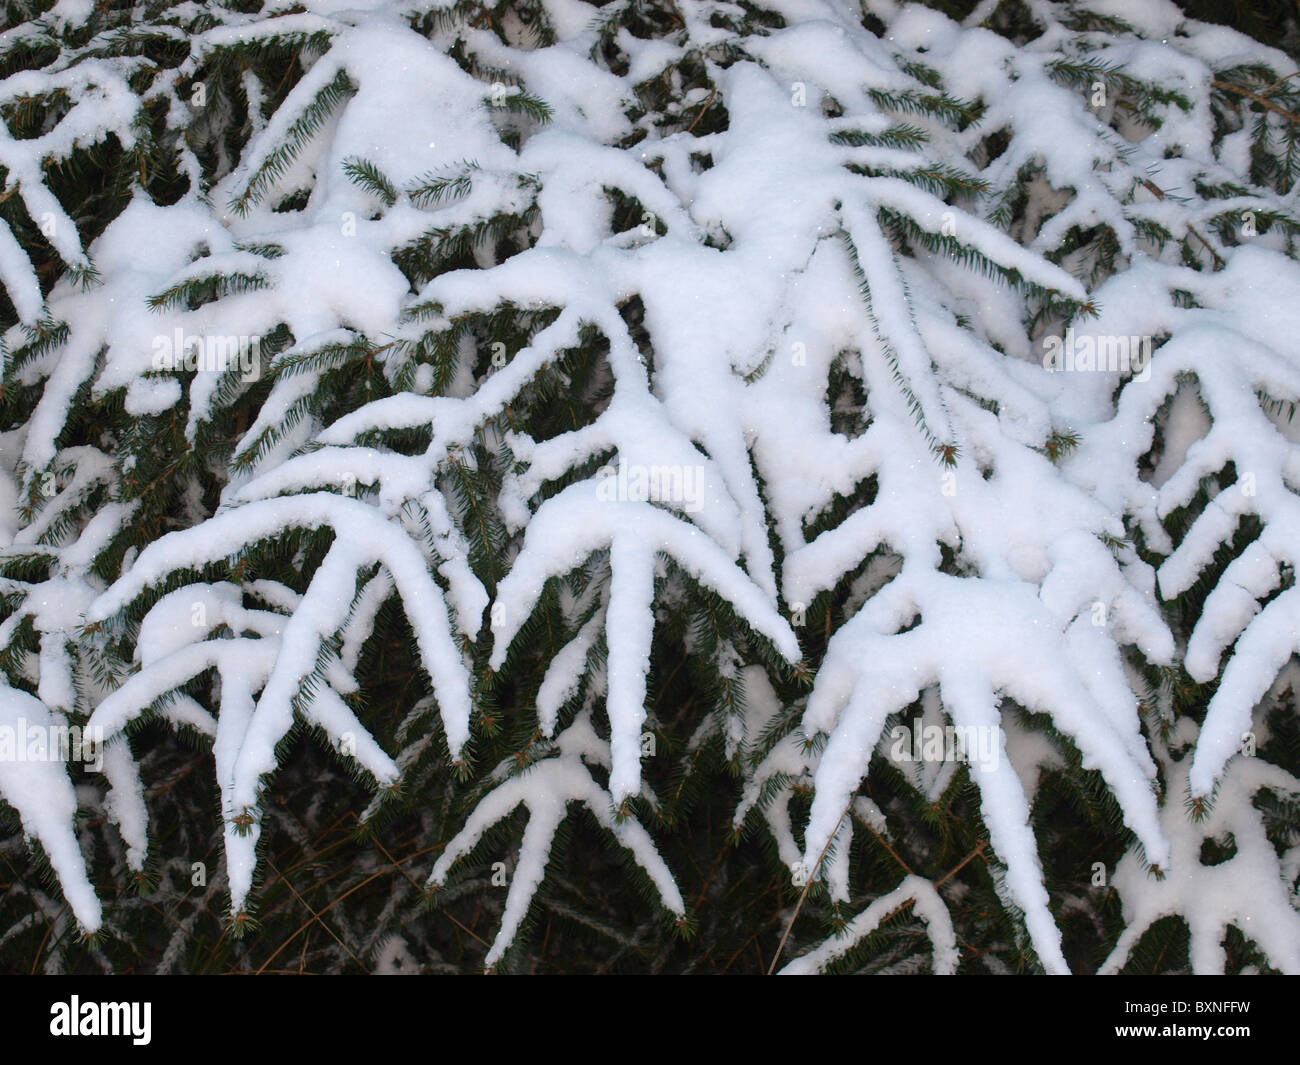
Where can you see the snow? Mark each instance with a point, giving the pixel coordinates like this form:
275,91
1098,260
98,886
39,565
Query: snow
19,280
42,794
925,903
1247,890
545,789
983,568
574,524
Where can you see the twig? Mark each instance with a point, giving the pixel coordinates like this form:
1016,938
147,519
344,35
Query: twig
316,916
1263,101
707,104
1280,81
884,843
812,875
356,887
48,929
978,851
468,931
1159,194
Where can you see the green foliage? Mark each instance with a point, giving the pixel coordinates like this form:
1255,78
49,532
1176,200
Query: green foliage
340,881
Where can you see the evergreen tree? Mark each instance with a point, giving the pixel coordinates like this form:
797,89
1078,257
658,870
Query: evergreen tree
658,486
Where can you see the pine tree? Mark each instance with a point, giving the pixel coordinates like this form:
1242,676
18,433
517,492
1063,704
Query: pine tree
664,485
